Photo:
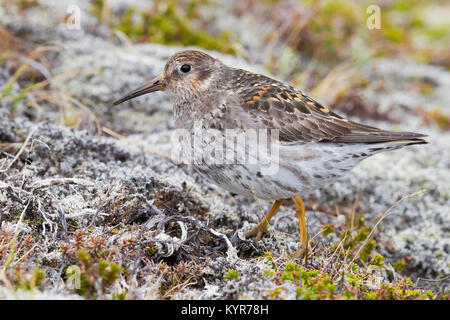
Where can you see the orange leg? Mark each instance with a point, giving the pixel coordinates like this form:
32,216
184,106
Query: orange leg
300,208
261,228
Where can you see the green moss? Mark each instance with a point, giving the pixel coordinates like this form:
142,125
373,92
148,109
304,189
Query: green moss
83,256
367,250
275,292
268,259
151,250
291,266
394,34
269,273
408,281
438,32
36,278
327,229
109,272
377,260
90,274
353,280
369,295
231,274
120,295
287,276
20,279
354,235
85,285
311,284
348,295
305,294
411,293
171,22
361,235
399,265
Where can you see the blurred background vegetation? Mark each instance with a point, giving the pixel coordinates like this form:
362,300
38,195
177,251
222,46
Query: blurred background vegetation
278,33
285,35
319,46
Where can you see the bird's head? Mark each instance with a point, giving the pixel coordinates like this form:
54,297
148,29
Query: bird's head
187,74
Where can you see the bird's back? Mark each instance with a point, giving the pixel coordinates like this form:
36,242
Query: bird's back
269,103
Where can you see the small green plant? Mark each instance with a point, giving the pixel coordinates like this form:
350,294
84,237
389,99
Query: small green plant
231,274
370,295
327,229
120,295
90,275
269,273
273,293
108,271
355,284
151,250
34,281
269,260
399,265
377,260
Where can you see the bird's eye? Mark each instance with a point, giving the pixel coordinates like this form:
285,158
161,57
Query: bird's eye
185,68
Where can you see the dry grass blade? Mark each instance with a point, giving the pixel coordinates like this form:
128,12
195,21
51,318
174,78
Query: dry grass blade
14,239
385,214
10,147
113,133
24,145
15,54
340,78
60,181
85,108
13,79
255,197
31,104
177,287
24,255
355,205
338,248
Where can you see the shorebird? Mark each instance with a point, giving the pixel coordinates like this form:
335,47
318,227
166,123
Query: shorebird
315,145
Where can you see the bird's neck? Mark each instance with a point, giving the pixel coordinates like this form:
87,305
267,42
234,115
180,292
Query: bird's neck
191,108
189,112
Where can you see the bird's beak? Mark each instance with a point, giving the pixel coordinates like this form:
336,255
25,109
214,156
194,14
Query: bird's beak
152,86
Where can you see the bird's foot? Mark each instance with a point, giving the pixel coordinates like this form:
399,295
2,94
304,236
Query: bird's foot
298,253
261,228
257,232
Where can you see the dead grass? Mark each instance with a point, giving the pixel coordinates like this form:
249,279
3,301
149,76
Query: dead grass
30,71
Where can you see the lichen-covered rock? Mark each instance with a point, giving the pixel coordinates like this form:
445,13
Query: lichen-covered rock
109,197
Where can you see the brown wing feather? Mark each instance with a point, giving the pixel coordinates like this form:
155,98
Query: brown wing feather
272,104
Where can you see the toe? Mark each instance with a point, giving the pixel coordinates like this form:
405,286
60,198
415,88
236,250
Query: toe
250,233
257,233
298,253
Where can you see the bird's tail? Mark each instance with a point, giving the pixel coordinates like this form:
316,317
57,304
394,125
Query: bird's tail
382,136
396,140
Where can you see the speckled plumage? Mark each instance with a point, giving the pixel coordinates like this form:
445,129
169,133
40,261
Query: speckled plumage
315,145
